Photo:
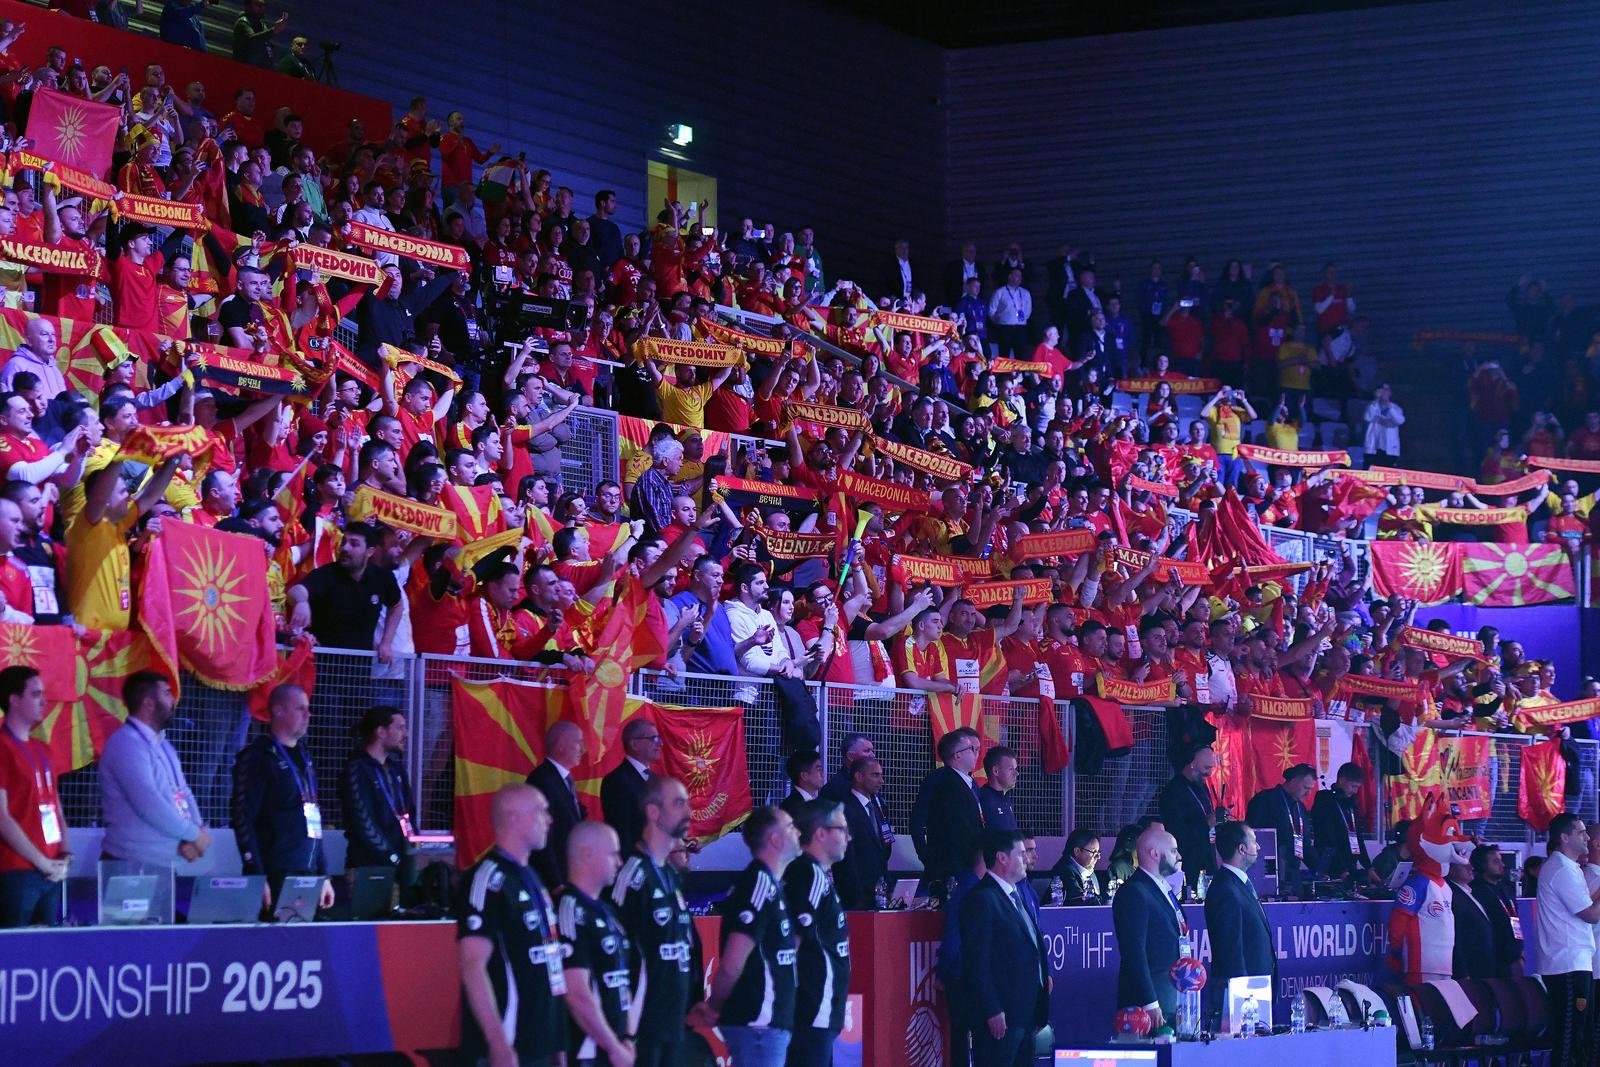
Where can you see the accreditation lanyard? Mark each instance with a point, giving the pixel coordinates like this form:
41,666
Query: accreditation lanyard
548,951
1349,821
44,782
180,797
393,799
1205,813
1296,825
307,787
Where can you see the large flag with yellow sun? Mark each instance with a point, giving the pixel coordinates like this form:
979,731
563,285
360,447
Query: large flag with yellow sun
1507,576
704,749
1541,793
203,601
73,132
82,679
1424,571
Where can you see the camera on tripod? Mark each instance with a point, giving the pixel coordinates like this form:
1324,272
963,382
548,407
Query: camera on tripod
517,315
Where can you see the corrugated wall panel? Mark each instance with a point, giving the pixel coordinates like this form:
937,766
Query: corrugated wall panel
1435,151
805,116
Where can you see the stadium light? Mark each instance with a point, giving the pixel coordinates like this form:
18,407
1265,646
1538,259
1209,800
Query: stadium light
680,134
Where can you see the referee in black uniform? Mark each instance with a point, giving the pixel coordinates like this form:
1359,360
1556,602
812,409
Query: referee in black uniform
599,996
818,915
648,897
511,973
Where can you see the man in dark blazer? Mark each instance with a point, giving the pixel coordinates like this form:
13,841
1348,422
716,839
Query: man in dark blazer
563,752
804,770
956,273
954,818
1080,882
1498,895
1148,923
1005,975
622,791
1241,937
1475,955
852,747
866,861
1000,769
900,278
1187,812
1077,307
1336,828
1282,808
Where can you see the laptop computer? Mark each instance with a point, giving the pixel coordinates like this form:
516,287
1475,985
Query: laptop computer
297,900
218,900
371,893
128,900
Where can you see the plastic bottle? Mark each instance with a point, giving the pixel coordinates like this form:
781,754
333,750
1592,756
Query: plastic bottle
1336,1015
880,895
1426,1027
1249,1017
1058,893
1297,1016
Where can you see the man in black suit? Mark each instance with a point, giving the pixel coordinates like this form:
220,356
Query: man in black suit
1187,812
622,791
1060,278
1148,923
1002,959
1282,808
866,861
899,279
1241,937
1498,895
805,781
1000,767
957,273
1078,306
954,818
1475,948
1081,883
1336,829
852,747
563,752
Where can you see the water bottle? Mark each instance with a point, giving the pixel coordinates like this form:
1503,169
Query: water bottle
1058,893
1336,1015
1249,1017
1297,1016
880,894
1427,1032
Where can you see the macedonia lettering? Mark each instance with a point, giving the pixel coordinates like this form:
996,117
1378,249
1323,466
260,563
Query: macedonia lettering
51,258
401,244
402,513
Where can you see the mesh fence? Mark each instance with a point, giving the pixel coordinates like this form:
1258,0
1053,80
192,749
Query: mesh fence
590,456
765,742
897,722
1124,788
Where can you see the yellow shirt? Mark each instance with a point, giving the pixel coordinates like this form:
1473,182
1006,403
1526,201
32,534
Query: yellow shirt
1582,507
1283,435
99,570
684,407
1294,365
1225,429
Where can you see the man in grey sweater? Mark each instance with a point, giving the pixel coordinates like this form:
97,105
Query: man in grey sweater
150,813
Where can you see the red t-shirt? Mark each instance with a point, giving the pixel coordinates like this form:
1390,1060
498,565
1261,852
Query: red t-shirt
1053,356
1338,312
457,153
840,669
413,428
71,296
245,128
1071,670
1229,339
133,292
30,787
728,411
14,450
1186,337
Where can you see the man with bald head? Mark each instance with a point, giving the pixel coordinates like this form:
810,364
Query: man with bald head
506,942
599,987
1148,922
563,752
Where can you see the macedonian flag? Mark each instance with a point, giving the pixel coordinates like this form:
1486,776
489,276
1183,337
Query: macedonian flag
1274,746
76,729
203,601
704,749
1424,571
1423,774
1506,576
499,730
1541,795
68,129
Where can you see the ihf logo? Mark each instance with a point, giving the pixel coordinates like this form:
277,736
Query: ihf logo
924,1035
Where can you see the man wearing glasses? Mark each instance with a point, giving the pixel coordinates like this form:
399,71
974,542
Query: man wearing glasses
1076,869
622,791
824,942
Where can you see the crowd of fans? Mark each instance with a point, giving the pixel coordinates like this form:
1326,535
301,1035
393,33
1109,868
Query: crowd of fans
433,407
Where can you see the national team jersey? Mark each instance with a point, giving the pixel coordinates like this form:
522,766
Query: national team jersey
593,940
824,953
764,994
649,901
506,904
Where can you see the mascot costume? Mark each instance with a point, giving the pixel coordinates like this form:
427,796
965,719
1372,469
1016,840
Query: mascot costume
1422,932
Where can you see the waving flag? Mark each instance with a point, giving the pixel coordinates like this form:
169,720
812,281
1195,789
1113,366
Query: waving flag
499,738
1275,746
1424,571
299,667
1506,576
70,130
76,730
203,601
1423,774
704,749
1233,783
1541,795
50,650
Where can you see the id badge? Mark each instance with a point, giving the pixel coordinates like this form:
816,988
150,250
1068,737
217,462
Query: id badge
405,826
1299,846
1211,834
180,802
50,824
1355,844
1516,926
1202,689
313,815
553,966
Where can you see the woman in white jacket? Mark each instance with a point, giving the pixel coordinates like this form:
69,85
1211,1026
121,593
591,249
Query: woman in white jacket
1384,419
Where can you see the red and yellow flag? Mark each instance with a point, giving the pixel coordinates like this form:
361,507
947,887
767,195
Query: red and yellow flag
1275,746
72,131
1505,576
1424,571
1422,773
299,667
477,511
1233,782
499,730
1541,795
50,650
203,601
76,730
704,749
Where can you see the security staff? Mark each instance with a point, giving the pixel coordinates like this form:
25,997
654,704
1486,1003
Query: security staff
1188,815
648,898
818,914
752,990
1283,808
599,993
276,817
1336,827
1241,937
1149,922
377,798
512,979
